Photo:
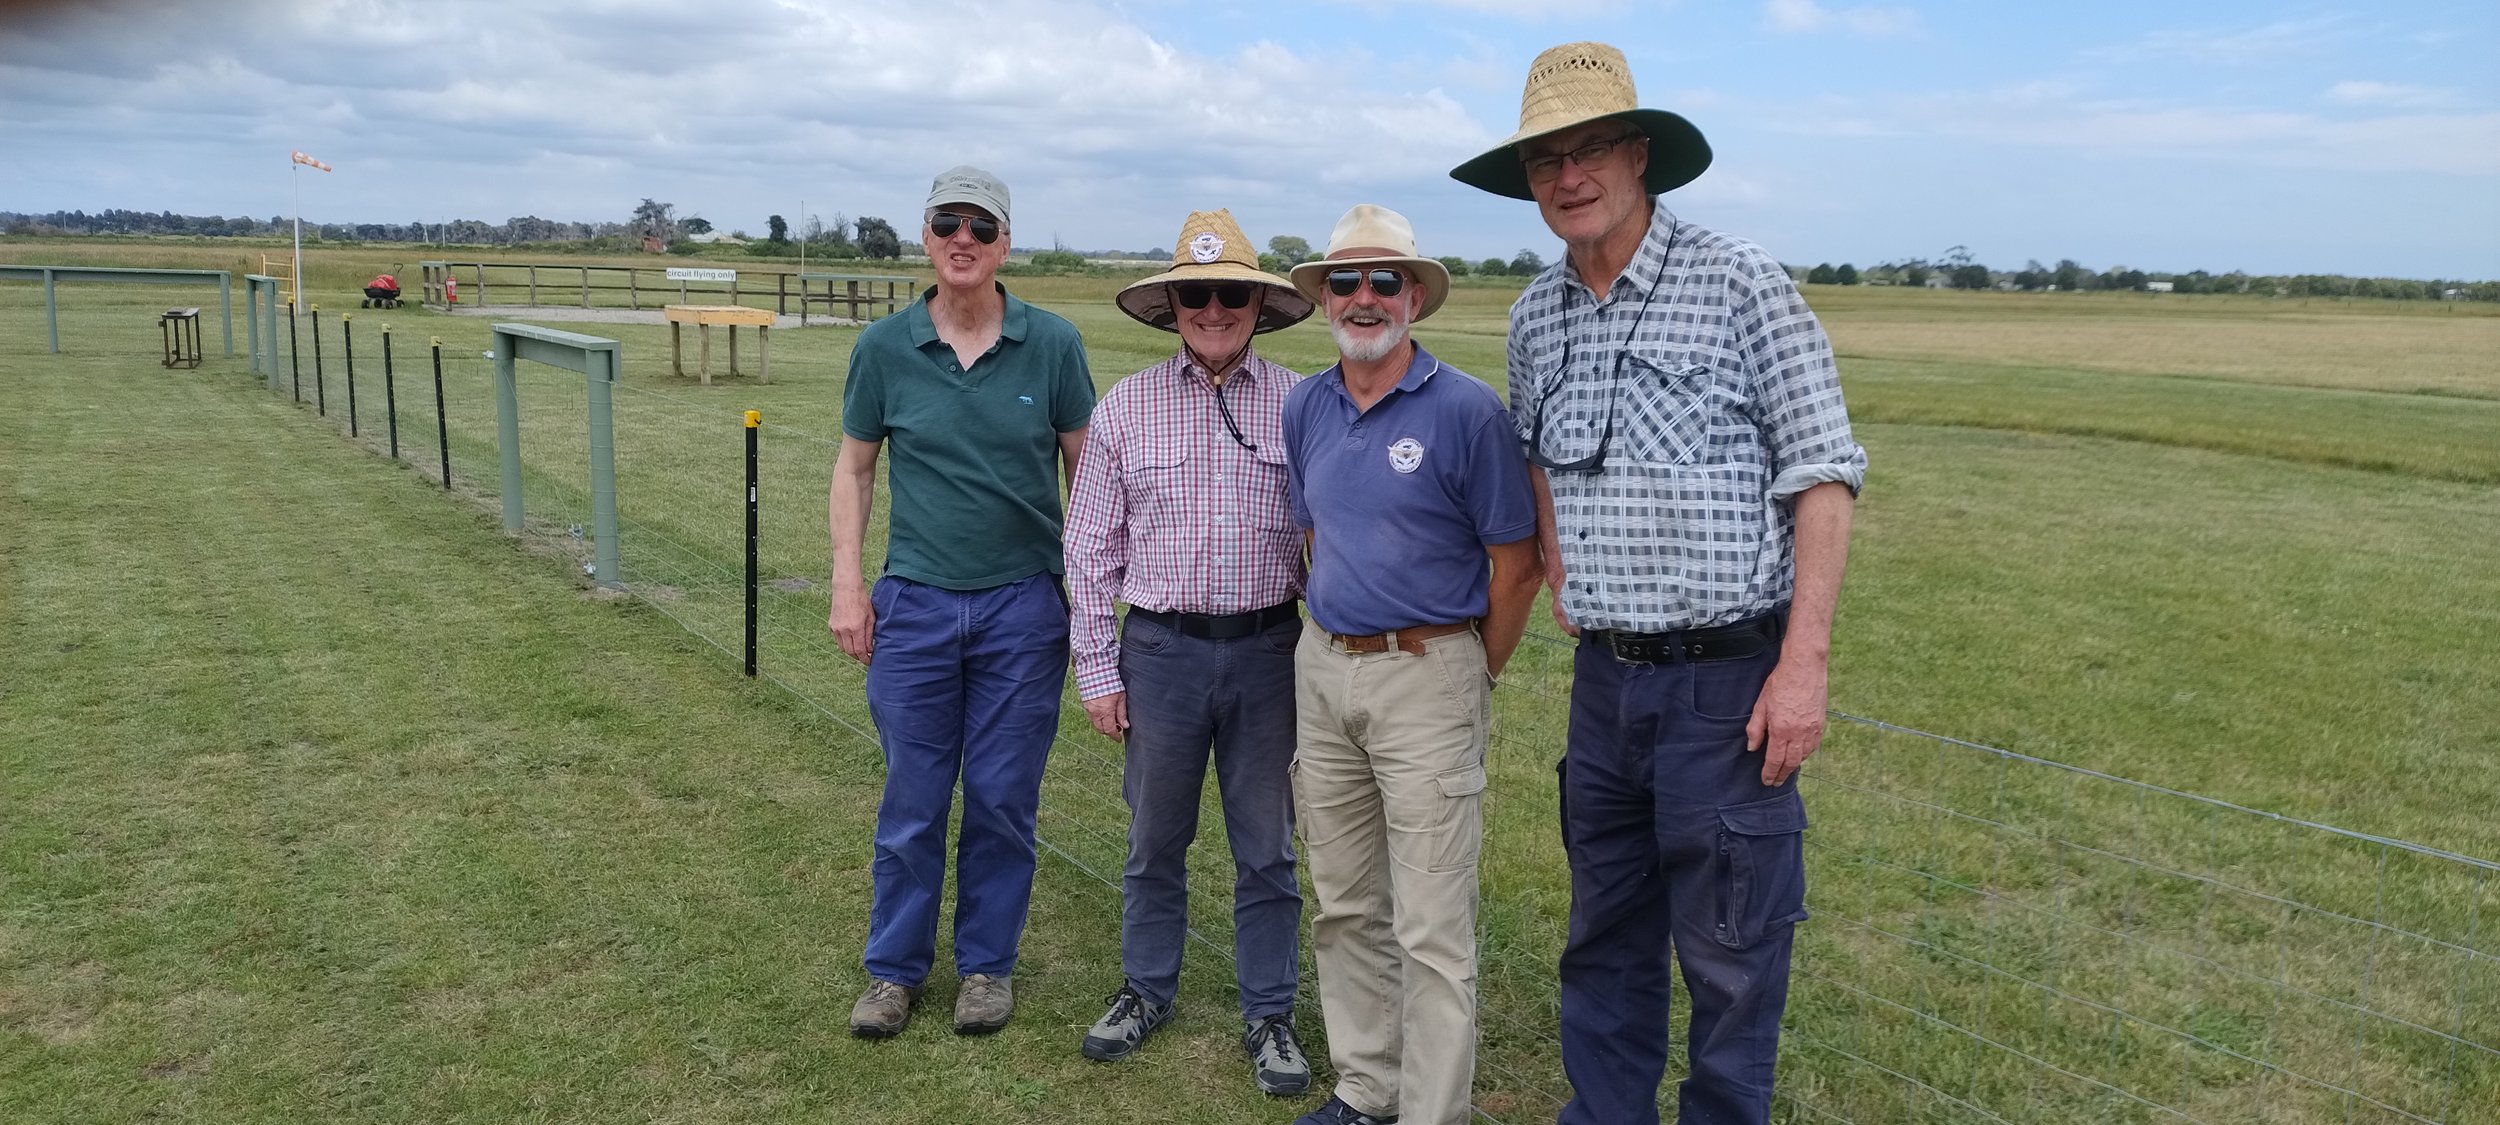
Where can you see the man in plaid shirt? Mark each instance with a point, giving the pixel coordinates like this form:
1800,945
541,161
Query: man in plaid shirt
1695,475
1179,510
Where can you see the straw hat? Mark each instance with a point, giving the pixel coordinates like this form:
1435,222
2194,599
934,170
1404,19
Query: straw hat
1370,235
1578,83
1213,249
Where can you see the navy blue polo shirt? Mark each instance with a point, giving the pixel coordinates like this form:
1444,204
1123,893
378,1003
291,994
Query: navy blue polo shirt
1404,498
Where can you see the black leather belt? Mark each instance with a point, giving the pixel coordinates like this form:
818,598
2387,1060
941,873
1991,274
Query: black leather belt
1222,626
1719,642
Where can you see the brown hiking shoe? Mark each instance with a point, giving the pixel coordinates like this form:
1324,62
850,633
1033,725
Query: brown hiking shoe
883,1010
984,1004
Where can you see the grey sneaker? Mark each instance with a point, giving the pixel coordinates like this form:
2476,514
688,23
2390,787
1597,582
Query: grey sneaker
984,1004
1118,1033
883,1010
1276,1058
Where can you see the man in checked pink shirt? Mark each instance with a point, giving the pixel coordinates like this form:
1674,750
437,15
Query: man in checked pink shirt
1179,510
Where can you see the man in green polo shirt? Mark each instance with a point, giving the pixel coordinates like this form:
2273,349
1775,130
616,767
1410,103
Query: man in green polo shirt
984,400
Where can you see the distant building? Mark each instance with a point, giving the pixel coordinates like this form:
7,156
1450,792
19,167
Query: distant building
2452,294
716,238
2158,287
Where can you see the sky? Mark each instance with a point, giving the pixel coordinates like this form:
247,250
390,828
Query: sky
2350,138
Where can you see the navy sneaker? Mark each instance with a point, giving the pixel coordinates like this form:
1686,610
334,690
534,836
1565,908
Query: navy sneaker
1336,1112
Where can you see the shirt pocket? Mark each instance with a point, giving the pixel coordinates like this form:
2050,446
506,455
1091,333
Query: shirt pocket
1270,509
1669,400
1157,478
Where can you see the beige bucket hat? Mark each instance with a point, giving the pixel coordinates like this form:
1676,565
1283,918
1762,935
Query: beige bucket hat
1574,84
1371,235
1213,249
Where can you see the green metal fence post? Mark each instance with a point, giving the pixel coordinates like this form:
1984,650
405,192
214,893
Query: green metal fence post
508,428
225,309
251,325
51,312
602,380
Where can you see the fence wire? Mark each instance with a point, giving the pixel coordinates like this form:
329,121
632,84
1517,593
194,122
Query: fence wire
1995,937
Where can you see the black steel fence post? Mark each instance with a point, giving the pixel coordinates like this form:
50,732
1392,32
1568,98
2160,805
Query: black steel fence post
442,426
294,352
321,386
390,392
754,418
347,343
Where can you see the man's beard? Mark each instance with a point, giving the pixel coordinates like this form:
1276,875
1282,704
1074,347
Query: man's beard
1388,334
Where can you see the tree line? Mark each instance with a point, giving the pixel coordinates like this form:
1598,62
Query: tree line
1957,270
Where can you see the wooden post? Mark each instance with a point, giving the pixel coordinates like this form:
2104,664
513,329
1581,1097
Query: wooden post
852,302
585,286
733,349
763,354
706,331
781,293
533,286
481,283
676,348
733,299
633,288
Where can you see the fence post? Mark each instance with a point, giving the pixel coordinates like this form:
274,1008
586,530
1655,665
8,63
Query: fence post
602,467
251,326
294,353
754,418
51,312
508,430
347,343
321,384
442,425
390,392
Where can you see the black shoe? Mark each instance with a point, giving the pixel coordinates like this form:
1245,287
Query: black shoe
1336,1112
1119,1032
1276,1058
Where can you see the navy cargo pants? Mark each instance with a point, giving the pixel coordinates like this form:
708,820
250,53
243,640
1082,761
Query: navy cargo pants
1675,844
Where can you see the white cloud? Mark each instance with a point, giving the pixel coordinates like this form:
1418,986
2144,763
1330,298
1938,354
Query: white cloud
2231,45
2396,95
1808,17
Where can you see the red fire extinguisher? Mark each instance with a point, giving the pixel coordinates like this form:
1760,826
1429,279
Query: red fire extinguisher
451,290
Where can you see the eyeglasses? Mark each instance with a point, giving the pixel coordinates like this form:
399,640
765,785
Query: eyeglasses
1384,282
944,224
1590,157
1194,295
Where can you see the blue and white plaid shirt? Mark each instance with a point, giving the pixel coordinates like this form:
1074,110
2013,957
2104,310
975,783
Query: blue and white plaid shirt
1717,388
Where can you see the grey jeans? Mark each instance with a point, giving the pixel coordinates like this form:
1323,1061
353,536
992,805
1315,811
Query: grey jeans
1191,699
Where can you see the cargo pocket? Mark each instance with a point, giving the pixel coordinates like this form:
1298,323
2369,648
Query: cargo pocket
1459,837
1762,870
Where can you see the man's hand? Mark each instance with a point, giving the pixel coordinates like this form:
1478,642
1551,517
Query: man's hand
853,621
1788,718
1110,714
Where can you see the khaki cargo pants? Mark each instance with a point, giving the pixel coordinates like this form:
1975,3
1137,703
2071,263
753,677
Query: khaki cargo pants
1388,785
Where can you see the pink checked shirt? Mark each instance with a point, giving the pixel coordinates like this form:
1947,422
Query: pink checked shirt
1170,513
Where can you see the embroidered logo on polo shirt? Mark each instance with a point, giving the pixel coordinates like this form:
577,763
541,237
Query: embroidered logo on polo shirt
1406,455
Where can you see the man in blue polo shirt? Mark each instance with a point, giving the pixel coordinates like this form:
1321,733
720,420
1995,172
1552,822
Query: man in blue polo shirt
984,400
1407,475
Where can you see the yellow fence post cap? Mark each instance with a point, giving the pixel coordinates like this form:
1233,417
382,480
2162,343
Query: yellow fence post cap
754,418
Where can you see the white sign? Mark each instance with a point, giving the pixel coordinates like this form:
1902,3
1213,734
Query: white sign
683,273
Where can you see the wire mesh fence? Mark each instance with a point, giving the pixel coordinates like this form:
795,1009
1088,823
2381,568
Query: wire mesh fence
1995,937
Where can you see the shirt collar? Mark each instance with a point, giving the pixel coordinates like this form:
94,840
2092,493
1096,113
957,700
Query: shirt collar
1649,261
1011,326
1185,369
1419,371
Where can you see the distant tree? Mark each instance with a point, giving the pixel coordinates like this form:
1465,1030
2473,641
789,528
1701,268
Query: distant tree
877,238
1822,275
2068,276
696,224
1527,264
653,219
1957,256
1456,265
1914,275
1972,276
1492,267
1059,261
1846,275
779,229
1289,249
1272,264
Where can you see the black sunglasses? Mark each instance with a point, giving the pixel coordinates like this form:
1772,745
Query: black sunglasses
1194,295
944,224
1384,282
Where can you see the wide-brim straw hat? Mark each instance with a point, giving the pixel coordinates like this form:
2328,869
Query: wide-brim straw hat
1213,250
1371,235
1574,84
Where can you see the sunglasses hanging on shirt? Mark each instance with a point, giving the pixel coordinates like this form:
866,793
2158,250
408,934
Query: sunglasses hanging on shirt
1596,461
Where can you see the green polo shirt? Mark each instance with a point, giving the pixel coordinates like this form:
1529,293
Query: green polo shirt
972,454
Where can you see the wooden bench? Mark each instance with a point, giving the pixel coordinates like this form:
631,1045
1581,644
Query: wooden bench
181,329
703,317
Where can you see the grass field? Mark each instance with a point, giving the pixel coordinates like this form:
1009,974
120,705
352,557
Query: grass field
325,802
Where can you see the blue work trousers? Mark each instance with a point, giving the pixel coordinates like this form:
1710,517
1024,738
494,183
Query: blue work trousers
1675,846
1190,698
962,684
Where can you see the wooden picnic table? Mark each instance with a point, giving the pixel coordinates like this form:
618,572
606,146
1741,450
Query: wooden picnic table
703,317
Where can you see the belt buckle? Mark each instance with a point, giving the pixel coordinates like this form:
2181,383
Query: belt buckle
1628,652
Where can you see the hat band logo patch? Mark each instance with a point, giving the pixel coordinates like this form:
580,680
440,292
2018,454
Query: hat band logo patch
1406,455
1207,247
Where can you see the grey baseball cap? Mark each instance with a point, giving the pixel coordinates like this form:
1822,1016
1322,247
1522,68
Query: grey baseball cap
964,183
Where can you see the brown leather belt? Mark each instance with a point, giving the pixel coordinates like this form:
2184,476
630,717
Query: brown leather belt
1410,639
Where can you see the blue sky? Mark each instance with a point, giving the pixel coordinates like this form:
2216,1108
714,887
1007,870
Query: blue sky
2360,139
